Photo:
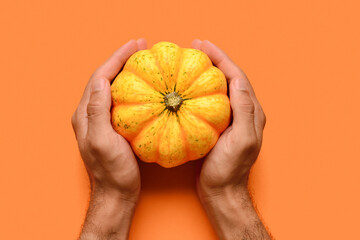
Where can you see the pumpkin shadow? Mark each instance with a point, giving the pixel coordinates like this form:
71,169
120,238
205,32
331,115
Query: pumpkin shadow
157,178
183,177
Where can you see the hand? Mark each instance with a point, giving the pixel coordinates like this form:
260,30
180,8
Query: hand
111,164
222,185
229,162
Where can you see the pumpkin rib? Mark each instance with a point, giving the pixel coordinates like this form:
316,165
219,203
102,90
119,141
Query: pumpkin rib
147,82
157,149
214,109
145,124
160,134
178,65
205,95
196,77
186,115
156,152
159,67
132,104
206,122
128,85
183,136
210,81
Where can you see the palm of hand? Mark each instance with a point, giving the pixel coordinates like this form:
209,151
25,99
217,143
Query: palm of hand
113,162
229,161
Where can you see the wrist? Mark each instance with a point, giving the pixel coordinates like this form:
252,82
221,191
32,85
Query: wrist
115,192
230,211
109,214
209,192
226,195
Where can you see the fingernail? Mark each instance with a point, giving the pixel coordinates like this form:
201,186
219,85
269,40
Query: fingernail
98,85
239,85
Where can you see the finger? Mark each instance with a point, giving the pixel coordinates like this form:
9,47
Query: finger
221,60
98,109
79,118
196,43
224,63
142,44
243,109
112,66
232,71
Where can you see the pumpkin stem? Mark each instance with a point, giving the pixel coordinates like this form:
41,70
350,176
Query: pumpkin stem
173,101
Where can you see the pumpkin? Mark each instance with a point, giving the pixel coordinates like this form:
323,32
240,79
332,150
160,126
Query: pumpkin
170,104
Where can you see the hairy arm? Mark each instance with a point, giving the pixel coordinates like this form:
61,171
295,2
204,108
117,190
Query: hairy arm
108,217
233,215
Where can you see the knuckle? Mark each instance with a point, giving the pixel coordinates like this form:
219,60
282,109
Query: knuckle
95,104
241,73
93,108
94,145
250,144
73,120
99,143
264,121
96,73
247,106
262,116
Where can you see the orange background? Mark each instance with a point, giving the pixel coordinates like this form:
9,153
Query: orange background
302,58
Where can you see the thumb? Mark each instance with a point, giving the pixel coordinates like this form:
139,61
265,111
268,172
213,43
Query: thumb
242,106
98,108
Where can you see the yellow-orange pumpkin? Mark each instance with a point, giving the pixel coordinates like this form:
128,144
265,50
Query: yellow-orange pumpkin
170,103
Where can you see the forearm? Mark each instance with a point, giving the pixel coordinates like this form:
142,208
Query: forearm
232,214
108,217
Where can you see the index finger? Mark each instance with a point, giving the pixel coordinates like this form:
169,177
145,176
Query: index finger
224,63
232,71
220,59
107,71
112,66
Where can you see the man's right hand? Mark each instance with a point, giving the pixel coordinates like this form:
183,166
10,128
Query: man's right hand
109,160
